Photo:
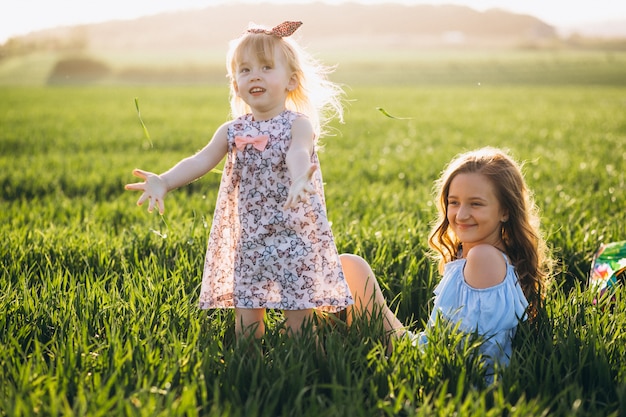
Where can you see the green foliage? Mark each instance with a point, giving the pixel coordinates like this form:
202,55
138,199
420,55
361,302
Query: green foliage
98,308
77,70
398,65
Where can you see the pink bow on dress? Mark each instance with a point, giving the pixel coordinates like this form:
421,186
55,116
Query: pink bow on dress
259,142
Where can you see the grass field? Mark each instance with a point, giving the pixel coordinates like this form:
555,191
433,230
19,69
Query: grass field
98,298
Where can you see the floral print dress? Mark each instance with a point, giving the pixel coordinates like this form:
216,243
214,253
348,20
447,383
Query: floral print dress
259,254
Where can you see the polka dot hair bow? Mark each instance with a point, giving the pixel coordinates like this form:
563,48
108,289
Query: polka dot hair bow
282,30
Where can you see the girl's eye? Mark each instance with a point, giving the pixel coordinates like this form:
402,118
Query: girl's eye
266,67
453,203
244,70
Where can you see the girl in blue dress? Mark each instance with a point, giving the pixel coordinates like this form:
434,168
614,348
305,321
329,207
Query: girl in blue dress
490,251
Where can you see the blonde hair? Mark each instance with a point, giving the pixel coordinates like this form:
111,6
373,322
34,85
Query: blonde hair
523,242
315,96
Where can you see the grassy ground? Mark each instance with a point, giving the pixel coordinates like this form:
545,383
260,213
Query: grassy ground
98,301
394,66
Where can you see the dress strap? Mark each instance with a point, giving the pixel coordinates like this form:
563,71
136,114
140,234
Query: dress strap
506,258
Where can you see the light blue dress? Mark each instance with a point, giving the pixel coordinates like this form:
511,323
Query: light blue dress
493,312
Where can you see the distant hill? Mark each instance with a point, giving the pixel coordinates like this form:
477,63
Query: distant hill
325,26
610,29
189,46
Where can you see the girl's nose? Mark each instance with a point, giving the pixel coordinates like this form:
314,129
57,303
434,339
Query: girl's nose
254,76
463,212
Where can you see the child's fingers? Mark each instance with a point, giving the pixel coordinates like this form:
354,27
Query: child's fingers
138,186
294,199
152,203
302,188
141,186
291,201
140,173
142,199
309,188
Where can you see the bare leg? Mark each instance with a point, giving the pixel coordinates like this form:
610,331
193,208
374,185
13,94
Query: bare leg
368,297
249,320
294,319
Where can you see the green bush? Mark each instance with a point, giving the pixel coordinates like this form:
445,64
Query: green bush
78,71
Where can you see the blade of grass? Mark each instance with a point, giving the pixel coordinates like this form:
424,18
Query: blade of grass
143,125
383,111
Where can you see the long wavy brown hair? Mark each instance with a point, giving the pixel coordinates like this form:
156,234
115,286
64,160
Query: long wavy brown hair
521,235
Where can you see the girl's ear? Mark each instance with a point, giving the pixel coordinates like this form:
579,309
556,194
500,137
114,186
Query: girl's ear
293,83
236,88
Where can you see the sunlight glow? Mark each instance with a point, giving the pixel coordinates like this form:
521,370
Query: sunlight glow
19,18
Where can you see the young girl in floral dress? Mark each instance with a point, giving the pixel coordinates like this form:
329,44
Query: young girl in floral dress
270,244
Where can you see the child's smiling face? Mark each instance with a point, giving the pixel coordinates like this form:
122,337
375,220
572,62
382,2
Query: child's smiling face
474,211
264,82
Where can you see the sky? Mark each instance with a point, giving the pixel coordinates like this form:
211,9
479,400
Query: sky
24,16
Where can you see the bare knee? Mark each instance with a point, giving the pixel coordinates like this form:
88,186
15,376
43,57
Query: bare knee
359,276
367,294
249,322
295,320
353,261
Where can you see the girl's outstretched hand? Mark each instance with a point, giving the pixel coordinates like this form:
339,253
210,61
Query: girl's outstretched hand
153,188
301,188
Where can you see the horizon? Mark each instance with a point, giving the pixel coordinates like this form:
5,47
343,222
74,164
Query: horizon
19,20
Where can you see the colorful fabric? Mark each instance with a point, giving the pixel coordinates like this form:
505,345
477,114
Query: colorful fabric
259,254
609,263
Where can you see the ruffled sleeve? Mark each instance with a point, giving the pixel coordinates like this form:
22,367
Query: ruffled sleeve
492,313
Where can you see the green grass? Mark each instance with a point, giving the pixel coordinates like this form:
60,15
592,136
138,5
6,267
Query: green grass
356,66
98,298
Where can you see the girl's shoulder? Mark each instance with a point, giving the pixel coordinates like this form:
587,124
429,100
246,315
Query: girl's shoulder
488,309
486,266
300,119
294,116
